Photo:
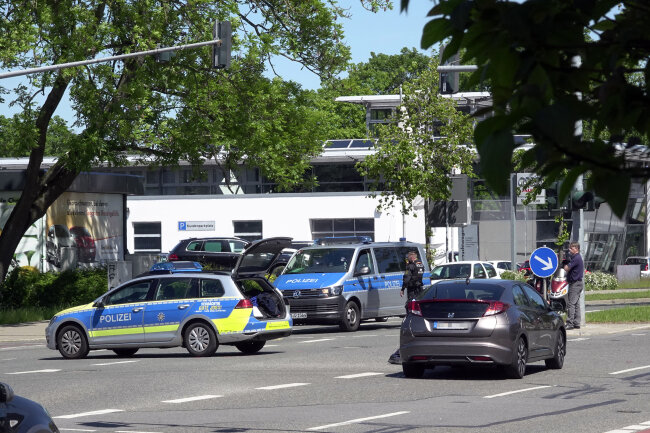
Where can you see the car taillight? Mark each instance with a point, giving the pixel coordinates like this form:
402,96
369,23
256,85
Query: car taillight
496,307
244,303
414,307
172,257
646,267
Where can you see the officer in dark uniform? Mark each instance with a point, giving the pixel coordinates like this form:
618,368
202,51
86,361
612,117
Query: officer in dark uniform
412,284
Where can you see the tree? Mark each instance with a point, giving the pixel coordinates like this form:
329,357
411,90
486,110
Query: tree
162,113
552,64
427,140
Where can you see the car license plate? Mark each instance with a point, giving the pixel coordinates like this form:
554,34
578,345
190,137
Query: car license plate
450,325
298,315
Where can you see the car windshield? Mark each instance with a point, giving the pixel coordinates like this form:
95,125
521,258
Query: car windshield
325,261
450,271
480,292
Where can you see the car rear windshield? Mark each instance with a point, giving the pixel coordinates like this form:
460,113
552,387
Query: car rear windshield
473,291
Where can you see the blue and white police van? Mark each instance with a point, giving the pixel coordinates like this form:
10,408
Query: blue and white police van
176,304
343,283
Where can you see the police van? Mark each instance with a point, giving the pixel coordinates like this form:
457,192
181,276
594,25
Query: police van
342,283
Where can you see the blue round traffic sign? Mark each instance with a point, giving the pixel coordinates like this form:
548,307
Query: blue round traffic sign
543,262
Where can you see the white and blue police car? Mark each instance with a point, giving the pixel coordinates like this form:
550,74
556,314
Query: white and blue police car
179,305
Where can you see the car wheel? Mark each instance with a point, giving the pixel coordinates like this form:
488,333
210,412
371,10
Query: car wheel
72,342
250,346
351,317
557,362
200,339
125,352
381,319
412,371
517,369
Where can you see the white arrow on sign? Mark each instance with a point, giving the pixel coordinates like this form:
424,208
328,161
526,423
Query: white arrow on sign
547,265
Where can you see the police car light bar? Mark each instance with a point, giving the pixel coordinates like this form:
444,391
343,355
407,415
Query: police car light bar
174,267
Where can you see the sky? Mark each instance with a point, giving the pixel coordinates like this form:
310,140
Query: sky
365,32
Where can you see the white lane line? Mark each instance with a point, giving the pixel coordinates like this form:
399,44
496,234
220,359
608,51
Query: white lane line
631,369
95,412
364,335
639,335
135,431
354,376
578,339
271,345
631,428
8,359
286,385
21,347
316,341
49,370
74,429
358,420
198,397
518,391
115,362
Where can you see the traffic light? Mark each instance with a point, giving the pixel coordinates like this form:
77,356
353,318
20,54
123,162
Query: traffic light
221,51
552,195
581,199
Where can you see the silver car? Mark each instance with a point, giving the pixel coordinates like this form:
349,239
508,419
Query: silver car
481,322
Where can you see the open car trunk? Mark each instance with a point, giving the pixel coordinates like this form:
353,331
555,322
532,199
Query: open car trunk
268,303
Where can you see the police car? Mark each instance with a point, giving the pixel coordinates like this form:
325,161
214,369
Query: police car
170,307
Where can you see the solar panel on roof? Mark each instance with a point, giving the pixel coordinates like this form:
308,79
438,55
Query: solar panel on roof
337,144
366,144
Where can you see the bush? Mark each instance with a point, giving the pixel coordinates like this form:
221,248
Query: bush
512,275
600,281
27,288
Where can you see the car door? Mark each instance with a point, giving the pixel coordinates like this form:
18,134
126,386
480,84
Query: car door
368,283
389,278
527,314
479,272
119,319
543,323
173,299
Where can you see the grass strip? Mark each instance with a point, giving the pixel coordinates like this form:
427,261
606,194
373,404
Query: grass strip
622,295
24,315
620,315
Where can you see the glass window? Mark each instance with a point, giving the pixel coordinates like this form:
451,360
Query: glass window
536,300
491,272
237,246
479,272
364,260
380,113
172,288
344,225
387,260
136,292
212,289
249,230
194,246
215,246
168,175
519,296
322,260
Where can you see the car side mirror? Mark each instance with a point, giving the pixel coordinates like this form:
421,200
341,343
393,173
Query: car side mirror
99,303
363,270
6,393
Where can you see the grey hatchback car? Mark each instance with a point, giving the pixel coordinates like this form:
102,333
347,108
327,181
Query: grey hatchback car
481,322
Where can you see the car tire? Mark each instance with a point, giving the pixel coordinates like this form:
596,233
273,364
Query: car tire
412,371
351,317
200,339
72,342
517,369
250,347
125,353
381,319
557,362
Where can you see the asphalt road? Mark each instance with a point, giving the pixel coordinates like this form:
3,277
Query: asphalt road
320,379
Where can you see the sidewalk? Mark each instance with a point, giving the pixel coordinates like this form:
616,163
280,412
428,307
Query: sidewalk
30,331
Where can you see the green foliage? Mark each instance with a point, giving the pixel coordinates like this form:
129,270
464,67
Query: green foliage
620,315
427,140
527,51
600,281
26,288
513,275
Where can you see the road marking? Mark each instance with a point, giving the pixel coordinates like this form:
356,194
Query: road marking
95,412
21,347
271,345
286,385
49,370
316,341
354,376
579,339
632,428
115,362
198,397
358,420
364,335
631,369
8,359
519,390
135,431
639,335
74,429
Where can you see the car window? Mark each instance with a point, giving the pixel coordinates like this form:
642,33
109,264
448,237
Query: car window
321,260
481,292
519,296
479,272
211,289
401,255
504,265
387,260
536,300
491,272
364,259
175,288
136,292
237,246
194,246
214,246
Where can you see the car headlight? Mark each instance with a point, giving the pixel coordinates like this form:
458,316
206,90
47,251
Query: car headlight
335,290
